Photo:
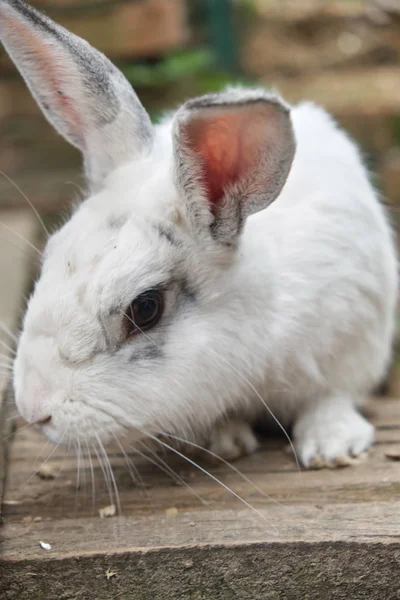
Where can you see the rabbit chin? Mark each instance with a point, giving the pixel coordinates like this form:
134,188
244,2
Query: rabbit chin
91,430
118,440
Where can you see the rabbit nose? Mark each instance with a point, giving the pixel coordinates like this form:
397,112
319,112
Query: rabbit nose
33,412
33,399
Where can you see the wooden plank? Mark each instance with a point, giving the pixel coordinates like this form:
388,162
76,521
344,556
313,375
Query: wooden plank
16,268
272,470
312,538
375,521
250,571
121,30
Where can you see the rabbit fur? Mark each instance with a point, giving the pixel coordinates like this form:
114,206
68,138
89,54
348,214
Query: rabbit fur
258,225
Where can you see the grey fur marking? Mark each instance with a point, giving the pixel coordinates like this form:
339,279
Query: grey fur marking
116,310
109,343
185,295
151,352
167,233
117,222
186,290
235,97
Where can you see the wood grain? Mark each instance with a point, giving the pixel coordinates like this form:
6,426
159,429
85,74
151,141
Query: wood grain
17,231
313,536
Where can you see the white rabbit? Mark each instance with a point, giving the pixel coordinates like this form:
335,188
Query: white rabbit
176,299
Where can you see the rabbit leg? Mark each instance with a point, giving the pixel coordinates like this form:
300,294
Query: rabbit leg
233,439
332,433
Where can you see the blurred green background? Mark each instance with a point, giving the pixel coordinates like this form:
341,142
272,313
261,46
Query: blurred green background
344,54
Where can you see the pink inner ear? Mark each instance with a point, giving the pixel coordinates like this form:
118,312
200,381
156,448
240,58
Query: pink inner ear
228,144
53,78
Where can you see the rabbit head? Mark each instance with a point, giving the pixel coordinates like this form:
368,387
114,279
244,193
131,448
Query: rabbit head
133,303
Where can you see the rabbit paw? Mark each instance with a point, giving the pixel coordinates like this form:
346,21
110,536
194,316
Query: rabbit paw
332,436
233,439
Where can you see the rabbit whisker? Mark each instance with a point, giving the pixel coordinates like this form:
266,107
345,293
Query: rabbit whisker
13,433
89,454
65,457
39,456
21,237
105,474
78,470
12,418
270,412
192,462
28,254
78,187
8,348
165,468
8,332
111,473
134,471
46,460
138,328
226,463
16,186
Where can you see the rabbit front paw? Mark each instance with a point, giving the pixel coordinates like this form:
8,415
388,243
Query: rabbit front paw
332,434
233,439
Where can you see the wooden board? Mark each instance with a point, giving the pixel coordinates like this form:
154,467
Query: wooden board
318,534
16,268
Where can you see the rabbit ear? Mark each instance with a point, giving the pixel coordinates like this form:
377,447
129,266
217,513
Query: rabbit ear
81,93
233,154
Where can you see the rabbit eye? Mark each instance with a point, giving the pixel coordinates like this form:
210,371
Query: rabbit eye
144,312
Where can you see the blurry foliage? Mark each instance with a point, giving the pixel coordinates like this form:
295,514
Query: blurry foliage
208,64
170,69
177,77
193,64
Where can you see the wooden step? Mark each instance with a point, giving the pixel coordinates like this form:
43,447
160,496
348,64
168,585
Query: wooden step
169,544
18,263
